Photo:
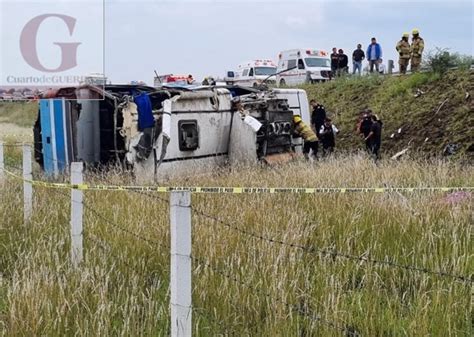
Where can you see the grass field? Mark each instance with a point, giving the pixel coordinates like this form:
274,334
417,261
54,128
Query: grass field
251,277
243,285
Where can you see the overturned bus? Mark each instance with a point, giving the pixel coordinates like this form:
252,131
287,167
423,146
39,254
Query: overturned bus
160,133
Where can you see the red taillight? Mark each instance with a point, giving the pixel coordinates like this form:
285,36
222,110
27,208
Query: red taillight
308,52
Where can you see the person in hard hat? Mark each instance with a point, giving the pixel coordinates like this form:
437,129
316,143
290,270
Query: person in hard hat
417,46
300,129
404,53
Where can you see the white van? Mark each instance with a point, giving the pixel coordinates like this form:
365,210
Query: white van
253,73
309,66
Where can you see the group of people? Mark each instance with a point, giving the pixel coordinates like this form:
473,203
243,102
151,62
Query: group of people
323,131
408,53
340,61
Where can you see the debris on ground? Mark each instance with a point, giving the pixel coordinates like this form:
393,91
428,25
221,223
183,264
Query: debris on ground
451,149
398,155
418,93
439,108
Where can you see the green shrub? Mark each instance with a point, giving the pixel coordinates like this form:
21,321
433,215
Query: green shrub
441,60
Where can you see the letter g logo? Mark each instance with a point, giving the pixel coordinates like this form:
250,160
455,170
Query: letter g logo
28,44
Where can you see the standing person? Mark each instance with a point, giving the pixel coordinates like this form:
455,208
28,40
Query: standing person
374,54
364,126
300,129
334,61
417,46
357,57
328,133
317,116
374,138
404,53
342,62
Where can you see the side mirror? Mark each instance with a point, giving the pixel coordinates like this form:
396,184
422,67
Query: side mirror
230,74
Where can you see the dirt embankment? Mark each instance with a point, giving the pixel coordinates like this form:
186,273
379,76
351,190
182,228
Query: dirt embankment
424,112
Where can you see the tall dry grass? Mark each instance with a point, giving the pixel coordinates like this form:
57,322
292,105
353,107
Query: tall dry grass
247,286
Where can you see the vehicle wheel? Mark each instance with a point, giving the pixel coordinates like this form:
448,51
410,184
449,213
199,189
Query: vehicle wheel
255,85
282,83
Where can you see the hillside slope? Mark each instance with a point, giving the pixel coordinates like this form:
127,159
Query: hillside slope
427,125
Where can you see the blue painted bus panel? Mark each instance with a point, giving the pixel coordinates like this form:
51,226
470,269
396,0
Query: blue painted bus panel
46,135
59,134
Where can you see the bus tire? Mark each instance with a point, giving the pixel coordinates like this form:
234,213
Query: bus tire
282,83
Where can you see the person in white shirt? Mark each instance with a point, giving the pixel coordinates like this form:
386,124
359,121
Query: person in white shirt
328,133
381,67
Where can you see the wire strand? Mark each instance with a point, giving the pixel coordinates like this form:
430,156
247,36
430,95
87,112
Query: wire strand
333,253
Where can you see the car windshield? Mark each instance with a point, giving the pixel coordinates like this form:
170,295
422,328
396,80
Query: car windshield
266,71
317,62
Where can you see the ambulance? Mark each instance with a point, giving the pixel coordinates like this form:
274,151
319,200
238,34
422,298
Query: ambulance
253,73
304,66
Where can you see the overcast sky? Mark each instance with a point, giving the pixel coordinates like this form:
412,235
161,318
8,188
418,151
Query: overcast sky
209,37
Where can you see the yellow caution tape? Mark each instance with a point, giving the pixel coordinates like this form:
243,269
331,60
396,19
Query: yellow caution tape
241,190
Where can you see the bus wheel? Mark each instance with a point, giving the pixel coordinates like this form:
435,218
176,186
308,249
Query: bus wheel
282,83
255,85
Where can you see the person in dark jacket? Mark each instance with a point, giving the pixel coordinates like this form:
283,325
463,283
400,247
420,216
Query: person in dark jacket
364,126
328,136
317,116
357,57
374,138
334,61
342,63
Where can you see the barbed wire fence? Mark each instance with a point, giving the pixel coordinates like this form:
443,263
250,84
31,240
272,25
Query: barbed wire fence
181,212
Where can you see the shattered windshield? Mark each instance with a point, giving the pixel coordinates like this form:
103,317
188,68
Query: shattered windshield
267,71
317,62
